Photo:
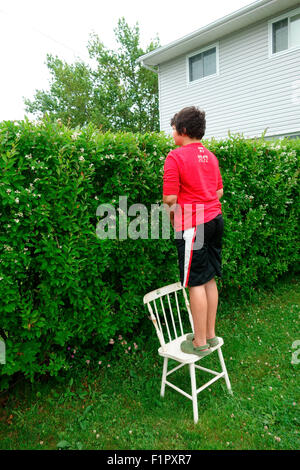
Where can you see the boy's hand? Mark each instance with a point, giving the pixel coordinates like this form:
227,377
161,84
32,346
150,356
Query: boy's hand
220,193
170,199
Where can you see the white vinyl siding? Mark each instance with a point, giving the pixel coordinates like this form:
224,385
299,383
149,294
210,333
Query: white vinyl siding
251,92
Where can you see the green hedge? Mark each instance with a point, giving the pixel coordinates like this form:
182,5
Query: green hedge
61,287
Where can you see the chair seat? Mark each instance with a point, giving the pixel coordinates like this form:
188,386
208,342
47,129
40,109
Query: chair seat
172,350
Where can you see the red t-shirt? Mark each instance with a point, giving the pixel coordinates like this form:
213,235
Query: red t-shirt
192,173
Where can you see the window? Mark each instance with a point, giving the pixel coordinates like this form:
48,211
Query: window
295,30
280,36
202,64
285,32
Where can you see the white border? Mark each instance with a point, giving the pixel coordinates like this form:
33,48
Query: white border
274,20
206,48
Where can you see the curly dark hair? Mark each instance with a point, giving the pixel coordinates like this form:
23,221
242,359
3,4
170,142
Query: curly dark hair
190,121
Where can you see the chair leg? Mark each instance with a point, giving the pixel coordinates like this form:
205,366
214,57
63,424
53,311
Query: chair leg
194,393
225,371
164,376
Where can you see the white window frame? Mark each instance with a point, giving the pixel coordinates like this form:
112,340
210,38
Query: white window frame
270,29
208,77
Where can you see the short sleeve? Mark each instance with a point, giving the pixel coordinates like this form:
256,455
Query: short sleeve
171,180
220,182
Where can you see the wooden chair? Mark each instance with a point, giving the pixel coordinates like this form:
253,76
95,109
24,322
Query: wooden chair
170,331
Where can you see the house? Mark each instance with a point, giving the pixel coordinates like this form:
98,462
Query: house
243,70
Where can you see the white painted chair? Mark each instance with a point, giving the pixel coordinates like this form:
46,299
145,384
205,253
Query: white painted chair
170,332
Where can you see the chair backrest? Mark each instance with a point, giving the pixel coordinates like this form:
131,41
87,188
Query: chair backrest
168,321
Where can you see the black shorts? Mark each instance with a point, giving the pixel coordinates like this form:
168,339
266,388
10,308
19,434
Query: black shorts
200,252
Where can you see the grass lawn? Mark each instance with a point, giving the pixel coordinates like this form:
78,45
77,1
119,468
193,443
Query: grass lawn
119,407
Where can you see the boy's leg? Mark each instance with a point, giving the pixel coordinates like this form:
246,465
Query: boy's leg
212,297
204,298
198,303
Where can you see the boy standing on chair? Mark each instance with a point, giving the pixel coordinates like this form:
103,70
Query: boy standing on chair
192,188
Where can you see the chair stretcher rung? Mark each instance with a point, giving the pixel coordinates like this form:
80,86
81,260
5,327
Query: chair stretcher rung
175,368
207,370
179,390
217,377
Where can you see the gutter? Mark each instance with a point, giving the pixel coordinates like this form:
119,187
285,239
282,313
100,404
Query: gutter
147,66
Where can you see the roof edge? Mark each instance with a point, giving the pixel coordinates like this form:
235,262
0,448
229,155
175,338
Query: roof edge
231,16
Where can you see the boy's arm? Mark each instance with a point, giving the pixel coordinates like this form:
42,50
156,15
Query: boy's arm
171,186
219,184
170,200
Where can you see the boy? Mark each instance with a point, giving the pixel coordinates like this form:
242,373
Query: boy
192,188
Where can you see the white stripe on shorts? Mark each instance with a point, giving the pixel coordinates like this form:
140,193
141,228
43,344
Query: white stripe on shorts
188,236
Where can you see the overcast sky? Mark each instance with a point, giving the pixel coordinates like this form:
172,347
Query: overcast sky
29,29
